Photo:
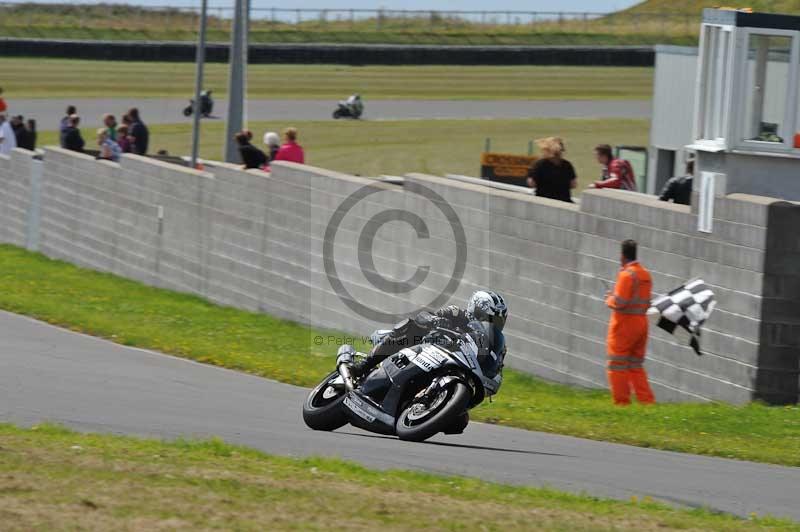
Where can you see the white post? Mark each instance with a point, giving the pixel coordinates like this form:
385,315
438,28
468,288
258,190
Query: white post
236,79
200,58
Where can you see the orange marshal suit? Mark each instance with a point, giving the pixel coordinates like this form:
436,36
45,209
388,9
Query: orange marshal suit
627,335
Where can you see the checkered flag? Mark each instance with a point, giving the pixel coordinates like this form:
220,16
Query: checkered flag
688,306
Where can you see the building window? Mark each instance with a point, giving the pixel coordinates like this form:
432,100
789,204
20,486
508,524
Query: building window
767,75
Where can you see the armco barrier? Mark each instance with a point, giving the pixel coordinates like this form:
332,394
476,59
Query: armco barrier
256,241
346,54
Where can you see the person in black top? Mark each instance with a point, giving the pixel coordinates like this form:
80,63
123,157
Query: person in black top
679,189
31,127
552,175
252,157
22,134
139,132
72,139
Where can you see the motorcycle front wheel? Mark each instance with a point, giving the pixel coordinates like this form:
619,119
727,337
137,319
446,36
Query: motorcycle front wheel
323,407
337,114
187,111
422,419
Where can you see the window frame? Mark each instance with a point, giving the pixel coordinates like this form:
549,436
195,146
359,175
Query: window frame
741,92
711,58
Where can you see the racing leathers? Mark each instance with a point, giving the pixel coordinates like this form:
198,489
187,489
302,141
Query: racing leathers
413,331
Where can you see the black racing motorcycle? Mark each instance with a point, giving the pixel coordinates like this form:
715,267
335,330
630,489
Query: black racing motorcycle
415,393
206,105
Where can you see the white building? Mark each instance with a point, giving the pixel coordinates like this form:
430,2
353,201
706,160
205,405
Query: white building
734,102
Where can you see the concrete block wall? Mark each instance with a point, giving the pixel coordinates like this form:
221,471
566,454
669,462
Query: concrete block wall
16,188
256,241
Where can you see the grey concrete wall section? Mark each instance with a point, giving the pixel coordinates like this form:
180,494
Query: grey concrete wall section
741,169
256,241
15,196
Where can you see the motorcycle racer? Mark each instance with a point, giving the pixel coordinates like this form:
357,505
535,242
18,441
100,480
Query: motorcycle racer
484,307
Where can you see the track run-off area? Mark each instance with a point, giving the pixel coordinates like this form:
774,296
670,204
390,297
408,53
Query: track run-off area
90,384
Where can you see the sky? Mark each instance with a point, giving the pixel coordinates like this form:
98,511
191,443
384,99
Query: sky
499,5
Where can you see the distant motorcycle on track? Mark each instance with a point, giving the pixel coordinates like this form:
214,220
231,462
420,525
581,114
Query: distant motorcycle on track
352,107
206,105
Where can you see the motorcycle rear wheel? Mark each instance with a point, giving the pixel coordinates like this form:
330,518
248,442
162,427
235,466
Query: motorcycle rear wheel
323,408
418,422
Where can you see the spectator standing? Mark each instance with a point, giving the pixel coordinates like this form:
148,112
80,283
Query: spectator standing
291,151
679,188
552,175
628,330
31,127
273,143
20,133
252,157
64,124
3,104
139,132
617,173
111,125
8,140
72,139
109,149
124,140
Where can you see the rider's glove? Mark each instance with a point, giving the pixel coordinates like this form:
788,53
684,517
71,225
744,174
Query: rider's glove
450,312
345,355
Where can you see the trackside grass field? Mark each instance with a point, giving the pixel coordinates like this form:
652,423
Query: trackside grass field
399,147
133,314
51,478
65,78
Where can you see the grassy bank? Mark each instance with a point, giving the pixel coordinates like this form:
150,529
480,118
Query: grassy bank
124,22
399,147
134,314
66,78
51,478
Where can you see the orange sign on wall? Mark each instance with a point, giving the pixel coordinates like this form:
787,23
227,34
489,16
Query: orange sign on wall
506,167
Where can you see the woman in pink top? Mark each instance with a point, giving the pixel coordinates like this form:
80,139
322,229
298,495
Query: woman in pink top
291,150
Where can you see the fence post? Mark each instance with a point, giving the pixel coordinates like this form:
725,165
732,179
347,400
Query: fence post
530,148
487,144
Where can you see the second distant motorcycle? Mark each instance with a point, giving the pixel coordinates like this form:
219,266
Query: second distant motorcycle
352,107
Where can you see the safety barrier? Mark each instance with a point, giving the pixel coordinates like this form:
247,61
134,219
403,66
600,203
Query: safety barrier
258,242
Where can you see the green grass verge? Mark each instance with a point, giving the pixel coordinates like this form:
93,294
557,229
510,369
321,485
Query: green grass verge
134,314
66,78
52,478
399,147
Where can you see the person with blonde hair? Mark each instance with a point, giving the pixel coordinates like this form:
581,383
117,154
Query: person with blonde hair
552,175
291,151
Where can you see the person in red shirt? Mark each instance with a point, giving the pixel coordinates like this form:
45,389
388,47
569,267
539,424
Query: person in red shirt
617,173
290,150
3,105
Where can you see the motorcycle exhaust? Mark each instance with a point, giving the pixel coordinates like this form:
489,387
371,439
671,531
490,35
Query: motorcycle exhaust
344,371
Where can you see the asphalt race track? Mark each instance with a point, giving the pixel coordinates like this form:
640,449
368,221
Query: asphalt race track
168,111
49,374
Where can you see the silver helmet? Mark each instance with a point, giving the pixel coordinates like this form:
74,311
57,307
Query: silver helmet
486,305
